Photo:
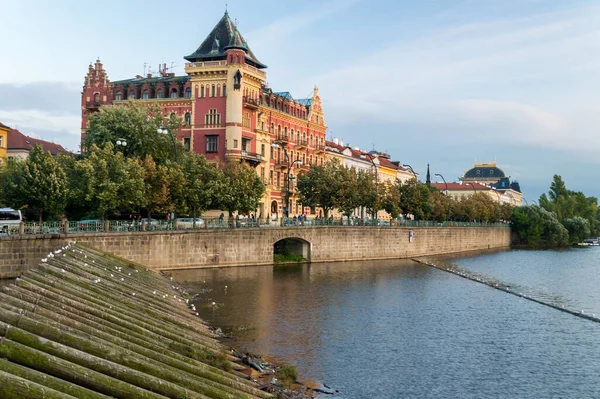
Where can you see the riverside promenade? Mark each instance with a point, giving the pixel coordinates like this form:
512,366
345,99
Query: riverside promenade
169,249
84,324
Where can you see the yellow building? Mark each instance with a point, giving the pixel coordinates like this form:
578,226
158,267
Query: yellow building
3,142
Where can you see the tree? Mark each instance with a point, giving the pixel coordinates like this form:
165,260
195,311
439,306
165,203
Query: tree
195,184
414,199
536,226
369,191
320,186
156,186
390,198
112,182
578,228
38,184
136,123
441,206
348,196
240,189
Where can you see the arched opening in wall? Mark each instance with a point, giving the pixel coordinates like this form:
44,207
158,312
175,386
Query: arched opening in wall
291,250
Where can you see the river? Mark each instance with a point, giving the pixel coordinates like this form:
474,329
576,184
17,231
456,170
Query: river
400,329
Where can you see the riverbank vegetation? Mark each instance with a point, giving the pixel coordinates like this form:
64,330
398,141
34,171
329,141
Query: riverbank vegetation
563,217
333,186
127,166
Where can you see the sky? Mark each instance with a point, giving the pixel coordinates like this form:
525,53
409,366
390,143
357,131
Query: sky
440,82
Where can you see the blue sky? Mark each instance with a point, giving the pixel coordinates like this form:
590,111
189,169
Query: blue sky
432,81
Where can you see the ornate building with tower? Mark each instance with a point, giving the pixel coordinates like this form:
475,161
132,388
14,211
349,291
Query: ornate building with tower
229,113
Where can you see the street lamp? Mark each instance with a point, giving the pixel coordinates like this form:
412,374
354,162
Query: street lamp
376,185
534,202
121,142
411,169
437,174
474,189
166,130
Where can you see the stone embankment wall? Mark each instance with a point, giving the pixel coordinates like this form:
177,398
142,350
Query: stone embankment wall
211,248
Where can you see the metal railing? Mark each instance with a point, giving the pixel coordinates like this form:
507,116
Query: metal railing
119,226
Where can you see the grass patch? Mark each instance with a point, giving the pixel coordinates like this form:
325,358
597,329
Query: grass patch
287,374
281,258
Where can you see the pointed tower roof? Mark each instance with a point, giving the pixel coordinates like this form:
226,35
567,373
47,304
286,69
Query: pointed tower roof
428,179
224,36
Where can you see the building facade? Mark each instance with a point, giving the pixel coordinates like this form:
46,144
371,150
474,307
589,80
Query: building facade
494,178
229,113
3,142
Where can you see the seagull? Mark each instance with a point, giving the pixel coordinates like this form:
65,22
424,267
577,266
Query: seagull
133,294
44,260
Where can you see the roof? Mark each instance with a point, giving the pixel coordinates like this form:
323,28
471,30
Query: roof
153,80
484,171
284,94
461,187
224,36
3,126
364,156
18,141
305,101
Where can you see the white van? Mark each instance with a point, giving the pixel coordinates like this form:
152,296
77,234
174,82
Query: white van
10,220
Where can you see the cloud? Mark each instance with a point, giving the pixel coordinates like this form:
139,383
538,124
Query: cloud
51,97
509,77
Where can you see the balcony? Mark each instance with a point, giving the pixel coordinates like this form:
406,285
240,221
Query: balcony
252,158
250,103
320,148
301,144
92,104
281,164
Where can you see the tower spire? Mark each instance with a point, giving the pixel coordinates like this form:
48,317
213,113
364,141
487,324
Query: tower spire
428,180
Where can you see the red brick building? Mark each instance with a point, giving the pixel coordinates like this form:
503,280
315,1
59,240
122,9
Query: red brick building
228,111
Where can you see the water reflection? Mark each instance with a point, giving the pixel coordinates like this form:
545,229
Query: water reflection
400,329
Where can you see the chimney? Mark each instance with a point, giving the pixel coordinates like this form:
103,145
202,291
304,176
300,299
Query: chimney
149,75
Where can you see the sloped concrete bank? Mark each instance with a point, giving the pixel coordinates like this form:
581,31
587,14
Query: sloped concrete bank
85,324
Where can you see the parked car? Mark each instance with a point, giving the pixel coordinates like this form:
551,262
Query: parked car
188,223
10,219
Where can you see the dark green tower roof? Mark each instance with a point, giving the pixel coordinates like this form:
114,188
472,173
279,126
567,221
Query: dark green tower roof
224,36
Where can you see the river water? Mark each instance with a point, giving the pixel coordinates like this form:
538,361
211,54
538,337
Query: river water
400,329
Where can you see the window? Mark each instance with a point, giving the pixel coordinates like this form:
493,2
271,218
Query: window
246,144
224,90
96,98
262,150
272,128
212,118
159,93
173,93
262,174
188,118
246,120
317,117
1,143
186,143
145,94
278,132
310,160
292,135
211,143
262,126
285,132
188,92
235,143
271,177
278,179
213,91
272,152
118,96
131,94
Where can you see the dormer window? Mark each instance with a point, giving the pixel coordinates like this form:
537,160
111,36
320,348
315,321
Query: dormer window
237,80
131,94
159,93
173,93
145,94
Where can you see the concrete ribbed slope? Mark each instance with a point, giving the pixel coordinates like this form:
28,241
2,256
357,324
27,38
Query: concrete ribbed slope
88,325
